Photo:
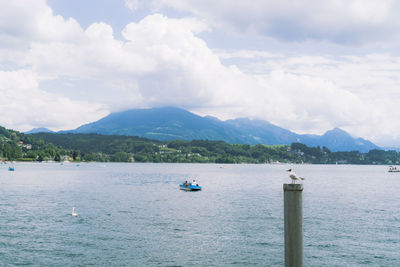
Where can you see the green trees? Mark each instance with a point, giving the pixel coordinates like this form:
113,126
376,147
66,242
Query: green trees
96,156
94,147
18,146
121,157
11,151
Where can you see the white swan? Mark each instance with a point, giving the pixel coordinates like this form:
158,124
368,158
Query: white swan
74,214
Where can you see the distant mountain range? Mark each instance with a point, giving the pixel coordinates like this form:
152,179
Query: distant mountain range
39,130
178,124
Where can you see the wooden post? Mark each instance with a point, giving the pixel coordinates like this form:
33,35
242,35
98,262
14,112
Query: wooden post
293,216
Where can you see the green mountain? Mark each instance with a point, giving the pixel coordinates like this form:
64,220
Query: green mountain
162,124
178,124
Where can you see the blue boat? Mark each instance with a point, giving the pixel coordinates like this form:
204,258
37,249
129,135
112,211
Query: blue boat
11,168
190,186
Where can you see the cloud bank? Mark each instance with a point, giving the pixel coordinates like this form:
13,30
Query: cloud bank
163,61
352,21
25,106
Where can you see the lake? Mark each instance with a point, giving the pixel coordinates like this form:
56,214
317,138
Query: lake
135,215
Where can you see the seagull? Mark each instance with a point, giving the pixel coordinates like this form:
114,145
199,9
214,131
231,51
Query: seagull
294,177
74,214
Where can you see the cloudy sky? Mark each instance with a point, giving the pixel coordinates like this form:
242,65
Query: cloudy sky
305,65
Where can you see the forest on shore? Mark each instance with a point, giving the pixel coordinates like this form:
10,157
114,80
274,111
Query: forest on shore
114,148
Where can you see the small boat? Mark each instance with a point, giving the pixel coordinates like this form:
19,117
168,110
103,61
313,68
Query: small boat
190,186
393,169
11,169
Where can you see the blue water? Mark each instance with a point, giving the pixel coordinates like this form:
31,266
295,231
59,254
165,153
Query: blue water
135,215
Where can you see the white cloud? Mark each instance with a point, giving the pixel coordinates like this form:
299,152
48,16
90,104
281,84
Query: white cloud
25,106
132,4
352,21
162,61
357,93
22,22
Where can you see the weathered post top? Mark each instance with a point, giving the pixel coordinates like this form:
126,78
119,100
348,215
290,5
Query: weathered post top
293,187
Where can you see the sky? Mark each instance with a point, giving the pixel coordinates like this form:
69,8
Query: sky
307,65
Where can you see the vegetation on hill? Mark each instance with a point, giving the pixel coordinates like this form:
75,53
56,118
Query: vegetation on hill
108,148
18,146
94,147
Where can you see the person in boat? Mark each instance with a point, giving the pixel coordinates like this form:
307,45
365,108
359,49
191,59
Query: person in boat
186,183
194,183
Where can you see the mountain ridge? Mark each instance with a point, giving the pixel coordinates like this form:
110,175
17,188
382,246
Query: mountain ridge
39,130
171,123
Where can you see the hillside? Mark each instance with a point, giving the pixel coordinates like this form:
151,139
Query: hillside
116,148
178,124
161,124
94,147
18,146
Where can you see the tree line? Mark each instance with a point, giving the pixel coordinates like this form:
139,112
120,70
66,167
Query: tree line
94,147
114,148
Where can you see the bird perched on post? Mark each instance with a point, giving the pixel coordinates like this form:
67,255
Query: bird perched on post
294,177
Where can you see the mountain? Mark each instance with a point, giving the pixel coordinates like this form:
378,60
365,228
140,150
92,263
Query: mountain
339,140
161,124
39,130
259,131
178,124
